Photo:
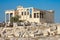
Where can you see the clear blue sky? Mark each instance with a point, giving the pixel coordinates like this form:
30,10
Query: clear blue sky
41,4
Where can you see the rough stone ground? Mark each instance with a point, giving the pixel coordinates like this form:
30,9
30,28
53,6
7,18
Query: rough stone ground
41,38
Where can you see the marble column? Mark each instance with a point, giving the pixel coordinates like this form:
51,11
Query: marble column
9,17
5,18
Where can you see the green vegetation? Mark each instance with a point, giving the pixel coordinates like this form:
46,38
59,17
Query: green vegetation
14,19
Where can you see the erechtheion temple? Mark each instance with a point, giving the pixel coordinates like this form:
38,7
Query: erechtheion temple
31,14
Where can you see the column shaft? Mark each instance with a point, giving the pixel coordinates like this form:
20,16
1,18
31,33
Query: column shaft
9,17
5,18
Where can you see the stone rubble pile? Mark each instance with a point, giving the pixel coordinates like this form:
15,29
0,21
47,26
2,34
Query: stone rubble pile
44,30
